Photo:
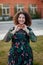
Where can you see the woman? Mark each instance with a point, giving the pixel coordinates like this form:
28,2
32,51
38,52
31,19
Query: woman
20,52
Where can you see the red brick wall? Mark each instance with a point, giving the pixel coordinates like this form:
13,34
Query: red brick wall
12,3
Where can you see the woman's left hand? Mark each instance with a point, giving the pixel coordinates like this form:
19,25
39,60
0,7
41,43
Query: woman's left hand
25,28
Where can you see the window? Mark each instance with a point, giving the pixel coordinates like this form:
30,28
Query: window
19,7
0,9
5,9
32,8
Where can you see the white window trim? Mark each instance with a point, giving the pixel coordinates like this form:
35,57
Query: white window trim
5,9
33,8
19,7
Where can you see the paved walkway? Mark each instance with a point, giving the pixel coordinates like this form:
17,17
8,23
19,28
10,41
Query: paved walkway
37,26
37,33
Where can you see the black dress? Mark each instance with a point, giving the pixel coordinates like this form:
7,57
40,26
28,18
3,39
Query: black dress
20,52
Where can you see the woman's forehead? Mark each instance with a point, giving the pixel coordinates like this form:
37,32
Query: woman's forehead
21,15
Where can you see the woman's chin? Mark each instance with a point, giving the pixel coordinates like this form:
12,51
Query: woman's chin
21,23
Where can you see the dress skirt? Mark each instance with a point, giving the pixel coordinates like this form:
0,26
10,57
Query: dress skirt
20,52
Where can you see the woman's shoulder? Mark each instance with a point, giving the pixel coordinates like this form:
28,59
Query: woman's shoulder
12,28
29,28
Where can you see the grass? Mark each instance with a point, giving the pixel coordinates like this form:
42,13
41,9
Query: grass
37,48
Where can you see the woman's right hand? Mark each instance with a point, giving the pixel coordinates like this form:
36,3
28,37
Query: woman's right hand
17,28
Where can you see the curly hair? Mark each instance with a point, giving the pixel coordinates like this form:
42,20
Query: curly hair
27,18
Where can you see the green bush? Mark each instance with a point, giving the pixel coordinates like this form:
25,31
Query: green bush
6,18
35,16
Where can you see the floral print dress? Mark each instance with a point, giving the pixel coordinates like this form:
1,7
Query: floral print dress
20,52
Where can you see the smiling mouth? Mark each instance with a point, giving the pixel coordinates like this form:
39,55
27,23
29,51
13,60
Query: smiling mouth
22,21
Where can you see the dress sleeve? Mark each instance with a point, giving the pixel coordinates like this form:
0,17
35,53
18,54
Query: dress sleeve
8,35
32,36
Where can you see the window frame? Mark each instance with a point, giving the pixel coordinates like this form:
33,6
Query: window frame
5,8
19,6
33,8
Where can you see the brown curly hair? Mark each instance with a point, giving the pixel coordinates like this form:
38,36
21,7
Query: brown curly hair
27,18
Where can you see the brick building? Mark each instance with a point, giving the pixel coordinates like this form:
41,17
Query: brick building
9,7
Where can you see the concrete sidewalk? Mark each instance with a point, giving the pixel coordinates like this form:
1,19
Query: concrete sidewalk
37,33
37,27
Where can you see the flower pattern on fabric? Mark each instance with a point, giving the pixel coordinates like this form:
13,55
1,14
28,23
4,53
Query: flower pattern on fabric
20,53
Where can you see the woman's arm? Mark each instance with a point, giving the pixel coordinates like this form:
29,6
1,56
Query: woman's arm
9,35
32,36
30,33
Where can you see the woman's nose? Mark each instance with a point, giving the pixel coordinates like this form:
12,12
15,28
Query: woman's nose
21,18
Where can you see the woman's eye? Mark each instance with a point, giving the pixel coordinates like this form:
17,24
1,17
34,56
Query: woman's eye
19,17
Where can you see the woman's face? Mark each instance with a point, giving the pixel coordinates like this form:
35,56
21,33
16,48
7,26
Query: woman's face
21,19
